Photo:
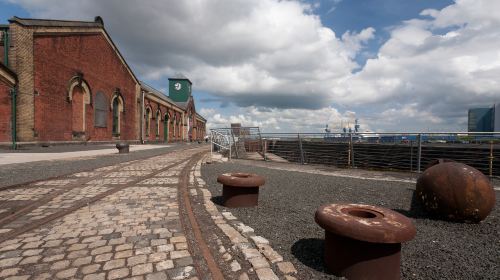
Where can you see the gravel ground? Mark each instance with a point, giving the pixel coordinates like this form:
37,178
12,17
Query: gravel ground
14,174
285,216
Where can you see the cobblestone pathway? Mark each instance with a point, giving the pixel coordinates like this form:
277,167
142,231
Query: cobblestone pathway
115,222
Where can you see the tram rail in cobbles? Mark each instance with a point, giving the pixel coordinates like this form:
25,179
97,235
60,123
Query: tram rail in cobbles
148,219
71,230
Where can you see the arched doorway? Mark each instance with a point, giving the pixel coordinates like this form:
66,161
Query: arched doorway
165,128
116,118
78,111
158,121
148,122
79,96
116,109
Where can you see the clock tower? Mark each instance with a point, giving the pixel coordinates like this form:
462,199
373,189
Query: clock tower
179,89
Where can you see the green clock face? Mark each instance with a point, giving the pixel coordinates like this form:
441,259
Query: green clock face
177,86
179,90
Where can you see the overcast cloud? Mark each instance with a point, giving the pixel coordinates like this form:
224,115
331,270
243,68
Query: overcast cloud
287,71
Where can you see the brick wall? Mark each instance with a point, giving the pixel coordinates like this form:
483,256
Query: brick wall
57,58
21,61
154,105
5,112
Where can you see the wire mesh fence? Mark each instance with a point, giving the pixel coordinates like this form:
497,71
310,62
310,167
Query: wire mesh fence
378,151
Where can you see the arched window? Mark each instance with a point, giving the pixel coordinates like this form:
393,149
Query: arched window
158,120
148,121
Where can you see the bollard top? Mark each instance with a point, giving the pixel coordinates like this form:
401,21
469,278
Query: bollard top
122,145
240,179
365,223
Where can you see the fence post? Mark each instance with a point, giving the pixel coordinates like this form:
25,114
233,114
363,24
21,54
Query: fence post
229,141
351,147
491,160
411,155
234,142
419,152
348,151
264,149
262,145
300,148
211,146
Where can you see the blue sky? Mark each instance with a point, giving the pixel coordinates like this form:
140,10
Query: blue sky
298,65
348,15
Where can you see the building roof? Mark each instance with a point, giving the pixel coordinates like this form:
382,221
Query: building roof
161,95
183,105
97,23
158,93
57,23
180,77
201,117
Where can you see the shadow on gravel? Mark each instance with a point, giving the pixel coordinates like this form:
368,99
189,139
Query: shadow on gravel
309,251
416,211
219,200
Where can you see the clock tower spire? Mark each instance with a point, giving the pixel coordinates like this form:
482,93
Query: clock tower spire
179,89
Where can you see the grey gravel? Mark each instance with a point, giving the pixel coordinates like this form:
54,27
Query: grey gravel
285,216
21,173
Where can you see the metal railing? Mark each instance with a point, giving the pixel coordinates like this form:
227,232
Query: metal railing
378,151
219,142
237,140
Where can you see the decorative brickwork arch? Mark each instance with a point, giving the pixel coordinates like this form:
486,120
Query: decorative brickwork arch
79,96
78,81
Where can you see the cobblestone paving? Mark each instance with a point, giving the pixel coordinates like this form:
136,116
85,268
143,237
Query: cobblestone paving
266,263
24,194
134,233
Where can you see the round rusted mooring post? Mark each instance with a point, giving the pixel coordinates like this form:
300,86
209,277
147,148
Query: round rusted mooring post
122,148
240,189
455,191
437,161
363,241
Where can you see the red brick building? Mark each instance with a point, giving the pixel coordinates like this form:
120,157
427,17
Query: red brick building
8,81
73,85
168,120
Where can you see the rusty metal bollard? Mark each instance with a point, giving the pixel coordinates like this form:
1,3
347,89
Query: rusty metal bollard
122,147
455,191
437,161
240,189
363,241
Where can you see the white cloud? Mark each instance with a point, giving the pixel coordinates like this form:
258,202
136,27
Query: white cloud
267,54
237,49
283,120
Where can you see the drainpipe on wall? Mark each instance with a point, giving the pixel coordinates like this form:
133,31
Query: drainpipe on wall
13,94
141,124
